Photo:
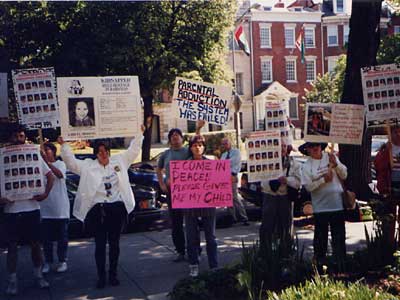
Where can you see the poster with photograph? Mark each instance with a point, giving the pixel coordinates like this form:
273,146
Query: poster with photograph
198,100
277,117
3,96
99,107
200,183
35,93
381,91
264,161
21,174
334,122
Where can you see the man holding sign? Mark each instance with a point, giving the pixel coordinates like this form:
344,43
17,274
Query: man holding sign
22,221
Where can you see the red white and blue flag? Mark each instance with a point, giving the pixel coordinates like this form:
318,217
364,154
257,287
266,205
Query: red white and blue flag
241,39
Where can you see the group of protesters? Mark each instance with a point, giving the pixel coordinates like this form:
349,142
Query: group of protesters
104,199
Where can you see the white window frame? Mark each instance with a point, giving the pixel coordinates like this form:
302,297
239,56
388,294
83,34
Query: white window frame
267,27
291,59
292,28
268,60
309,59
239,83
309,28
296,99
336,7
331,31
346,31
332,62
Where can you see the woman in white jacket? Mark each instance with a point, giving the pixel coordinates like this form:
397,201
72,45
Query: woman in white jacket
103,200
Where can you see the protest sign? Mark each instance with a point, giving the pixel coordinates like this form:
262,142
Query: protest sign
202,101
3,96
381,91
200,183
21,174
264,157
99,107
35,93
334,122
276,117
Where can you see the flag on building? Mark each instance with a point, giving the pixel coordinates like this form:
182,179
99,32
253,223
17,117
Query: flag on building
300,44
241,39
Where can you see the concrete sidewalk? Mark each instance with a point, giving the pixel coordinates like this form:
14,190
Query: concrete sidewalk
146,270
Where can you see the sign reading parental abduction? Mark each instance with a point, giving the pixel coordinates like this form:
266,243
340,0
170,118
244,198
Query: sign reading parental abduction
334,122
35,93
200,183
381,91
198,100
99,107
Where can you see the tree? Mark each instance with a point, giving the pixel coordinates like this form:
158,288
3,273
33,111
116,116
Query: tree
362,49
155,40
389,50
328,88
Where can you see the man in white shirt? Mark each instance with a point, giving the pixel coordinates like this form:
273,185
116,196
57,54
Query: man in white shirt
55,212
22,221
238,211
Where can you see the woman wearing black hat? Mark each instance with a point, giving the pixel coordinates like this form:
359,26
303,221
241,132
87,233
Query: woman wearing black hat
321,175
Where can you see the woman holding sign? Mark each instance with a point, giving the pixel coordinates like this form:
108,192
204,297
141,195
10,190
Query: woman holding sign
197,147
103,200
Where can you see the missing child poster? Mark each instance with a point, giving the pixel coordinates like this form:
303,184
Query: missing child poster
381,91
201,183
277,117
334,122
264,158
198,100
35,93
99,107
21,174
3,96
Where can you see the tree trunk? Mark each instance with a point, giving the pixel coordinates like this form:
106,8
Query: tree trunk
363,46
148,121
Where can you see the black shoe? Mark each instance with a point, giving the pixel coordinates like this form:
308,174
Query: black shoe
245,223
101,283
114,281
179,258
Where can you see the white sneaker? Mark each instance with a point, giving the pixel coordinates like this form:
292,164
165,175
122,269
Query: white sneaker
12,288
42,283
46,268
62,267
193,270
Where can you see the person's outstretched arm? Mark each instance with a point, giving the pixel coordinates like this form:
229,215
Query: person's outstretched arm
73,164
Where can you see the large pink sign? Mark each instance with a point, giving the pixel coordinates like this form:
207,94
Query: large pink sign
200,183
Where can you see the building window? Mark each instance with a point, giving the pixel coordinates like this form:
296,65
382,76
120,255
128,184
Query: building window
396,29
293,108
339,6
239,83
332,62
291,70
309,37
346,31
310,70
289,37
332,36
266,70
265,36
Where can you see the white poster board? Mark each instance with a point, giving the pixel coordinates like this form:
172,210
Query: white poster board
21,174
3,96
381,91
277,117
35,93
334,122
99,107
264,157
199,100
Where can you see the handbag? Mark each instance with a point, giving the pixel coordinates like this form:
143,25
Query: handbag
348,197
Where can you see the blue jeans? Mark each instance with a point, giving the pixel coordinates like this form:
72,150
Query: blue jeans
193,239
55,230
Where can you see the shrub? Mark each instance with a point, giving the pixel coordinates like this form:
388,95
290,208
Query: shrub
325,289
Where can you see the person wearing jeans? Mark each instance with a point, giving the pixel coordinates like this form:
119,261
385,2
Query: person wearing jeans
208,218
55,213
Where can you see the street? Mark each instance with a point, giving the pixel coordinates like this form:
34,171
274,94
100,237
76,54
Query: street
146,270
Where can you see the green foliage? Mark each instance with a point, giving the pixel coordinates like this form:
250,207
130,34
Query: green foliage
389,50
325,289
328,87
213,285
